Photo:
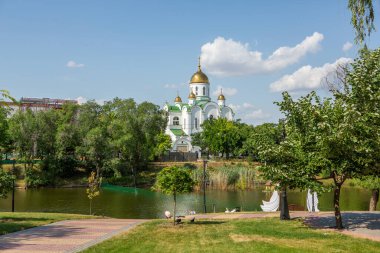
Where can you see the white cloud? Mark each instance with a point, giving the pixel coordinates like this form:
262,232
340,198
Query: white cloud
347,46
250,113
257,114
226,57
171,86
73,64
174,86
226,91
307,77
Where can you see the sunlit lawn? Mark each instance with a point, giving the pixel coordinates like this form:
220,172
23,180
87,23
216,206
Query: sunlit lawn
12,222
256,235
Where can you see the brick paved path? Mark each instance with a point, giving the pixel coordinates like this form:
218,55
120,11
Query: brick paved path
64,236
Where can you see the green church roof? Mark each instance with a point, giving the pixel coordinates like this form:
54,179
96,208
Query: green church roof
178,132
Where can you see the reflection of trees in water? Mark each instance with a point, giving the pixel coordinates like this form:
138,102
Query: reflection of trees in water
142,203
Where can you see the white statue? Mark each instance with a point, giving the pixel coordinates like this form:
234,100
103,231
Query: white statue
312,201
273,204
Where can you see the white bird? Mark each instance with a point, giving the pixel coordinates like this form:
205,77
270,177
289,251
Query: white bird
168,215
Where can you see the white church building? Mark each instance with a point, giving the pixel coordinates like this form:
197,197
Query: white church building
185,119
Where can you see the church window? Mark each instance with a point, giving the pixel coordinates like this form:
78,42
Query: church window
196,123
204,91
196,91
176,121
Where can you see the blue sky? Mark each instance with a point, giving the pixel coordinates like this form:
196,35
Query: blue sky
148,50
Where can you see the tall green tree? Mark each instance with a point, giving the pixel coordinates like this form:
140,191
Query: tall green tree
267,134
221,136
288,150
24,133
361,94
134,130
6,185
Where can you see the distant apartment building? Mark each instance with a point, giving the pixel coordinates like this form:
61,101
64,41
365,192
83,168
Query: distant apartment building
38,104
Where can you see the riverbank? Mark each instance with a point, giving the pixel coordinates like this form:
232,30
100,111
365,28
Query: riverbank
243,235
13,222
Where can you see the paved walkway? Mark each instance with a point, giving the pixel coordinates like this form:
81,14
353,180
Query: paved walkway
358,224
64,236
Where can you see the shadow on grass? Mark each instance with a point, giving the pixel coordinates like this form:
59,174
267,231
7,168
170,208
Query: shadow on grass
10,219
206,222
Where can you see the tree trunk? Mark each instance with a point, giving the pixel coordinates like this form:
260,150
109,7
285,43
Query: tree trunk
338,215
374,200
90,206
284,209
175,207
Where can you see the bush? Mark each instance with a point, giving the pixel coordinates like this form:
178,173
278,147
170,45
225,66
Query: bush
34,178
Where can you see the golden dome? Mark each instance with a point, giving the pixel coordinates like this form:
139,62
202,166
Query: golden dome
178,99
192,95
221,96
199,76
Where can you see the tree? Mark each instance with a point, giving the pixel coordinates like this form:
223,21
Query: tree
4,94
134,130
173,181
361,95
267,134
6,185
221,136
96,148
163,144
319,141
288,149
93,188
372,183
4,131
362,18
24,132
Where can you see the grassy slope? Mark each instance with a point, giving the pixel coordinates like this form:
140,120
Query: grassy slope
12,222
259,235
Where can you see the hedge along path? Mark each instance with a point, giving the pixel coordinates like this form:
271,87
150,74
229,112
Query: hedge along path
65,236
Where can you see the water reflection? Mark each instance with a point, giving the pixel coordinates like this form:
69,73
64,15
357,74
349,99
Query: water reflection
140,203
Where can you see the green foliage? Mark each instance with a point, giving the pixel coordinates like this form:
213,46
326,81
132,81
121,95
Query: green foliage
93,188
163,144
174,180
117,139
220,136
259,137
368,182
226,177
4,95
362,18
6,185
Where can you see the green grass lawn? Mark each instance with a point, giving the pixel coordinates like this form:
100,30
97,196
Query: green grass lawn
12,222
258,235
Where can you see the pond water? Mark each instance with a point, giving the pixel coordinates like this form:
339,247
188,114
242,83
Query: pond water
122,202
